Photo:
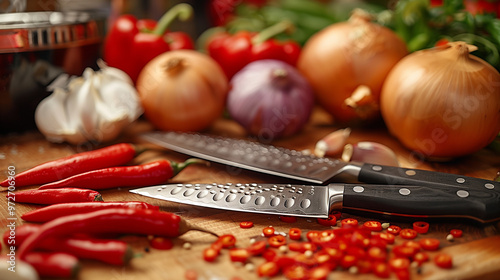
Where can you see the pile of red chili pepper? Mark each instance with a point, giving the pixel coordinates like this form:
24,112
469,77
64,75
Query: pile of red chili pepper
371,248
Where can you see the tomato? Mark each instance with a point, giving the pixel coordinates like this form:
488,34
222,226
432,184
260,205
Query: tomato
226,240
377,254
456,233
408,233
381,270
268,269
295,233
443,260
268,231
328,222
373,225
210,254
349,223
277,241
420,257
161,243
429,244
399,263
394,230
288,219
257,248
421,227
246,224
238,255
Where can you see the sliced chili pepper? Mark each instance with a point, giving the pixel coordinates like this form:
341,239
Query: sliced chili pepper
348,261
277,241
408,233
257,248
302,247
456,233
268,269
319,272
50,264
123,221
328,222
377,254
152,173
387,237
210,254
443,260
373,225
55,196
404,251
269,255
295,233
399,263
227,241
394,229
51,171
51,212
288,219
246,224
268,231
295,272
381,269
161,243
429,244
349,223
238,255
146,39
420,257
421,227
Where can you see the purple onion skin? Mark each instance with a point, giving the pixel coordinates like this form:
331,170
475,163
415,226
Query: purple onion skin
270,99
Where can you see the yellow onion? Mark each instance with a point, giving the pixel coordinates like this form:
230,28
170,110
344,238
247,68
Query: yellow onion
443,102
347,63
182,90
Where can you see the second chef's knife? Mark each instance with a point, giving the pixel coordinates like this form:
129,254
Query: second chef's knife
318,201
307,168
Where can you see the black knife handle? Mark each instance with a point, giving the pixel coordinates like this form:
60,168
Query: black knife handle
423,201
381,174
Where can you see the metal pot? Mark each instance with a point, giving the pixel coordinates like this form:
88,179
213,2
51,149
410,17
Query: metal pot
37,47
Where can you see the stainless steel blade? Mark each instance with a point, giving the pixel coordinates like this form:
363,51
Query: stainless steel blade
279,199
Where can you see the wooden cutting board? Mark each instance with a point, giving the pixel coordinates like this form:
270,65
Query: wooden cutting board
476,254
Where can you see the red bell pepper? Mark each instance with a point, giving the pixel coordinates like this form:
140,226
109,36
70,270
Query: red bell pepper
233,52
131,43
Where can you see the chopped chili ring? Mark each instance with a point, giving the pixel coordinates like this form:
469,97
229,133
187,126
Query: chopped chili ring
226,241
349,223
257,248
268,231
456,233
377,254
268,269
387,237
400,263
210,254
328,222
302,247
161,243
404,251
420,257
246,224
336,213
288,219
381,270
408,233
443,260
238,255
394,229
429,244
421,227
277,241
295,233
373,225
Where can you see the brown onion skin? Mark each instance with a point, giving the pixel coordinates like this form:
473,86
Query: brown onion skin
187,98
336,62
442,103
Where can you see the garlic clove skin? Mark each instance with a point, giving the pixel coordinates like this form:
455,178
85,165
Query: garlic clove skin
94,107
369,152
333,143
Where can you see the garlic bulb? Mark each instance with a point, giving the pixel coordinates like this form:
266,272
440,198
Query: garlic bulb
93,107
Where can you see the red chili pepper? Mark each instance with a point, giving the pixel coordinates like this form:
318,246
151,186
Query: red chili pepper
329,222
246,224
53,264
421,227
132,43
16,238
123,221
55,196
233,52
149,174
51,171
276,241
54,211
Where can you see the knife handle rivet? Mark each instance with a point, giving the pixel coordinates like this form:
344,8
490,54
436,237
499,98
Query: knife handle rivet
376,168
410,172
404,191
358,189
460,180
489,186
462,193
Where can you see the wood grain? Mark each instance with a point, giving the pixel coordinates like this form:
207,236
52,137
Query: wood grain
476,254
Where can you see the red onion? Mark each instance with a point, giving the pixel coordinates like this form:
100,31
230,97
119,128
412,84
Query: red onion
270,99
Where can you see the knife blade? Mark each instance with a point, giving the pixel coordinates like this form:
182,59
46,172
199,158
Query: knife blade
292,164
317,201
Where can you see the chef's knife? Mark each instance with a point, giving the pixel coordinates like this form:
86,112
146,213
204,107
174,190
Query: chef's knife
292,164
318,201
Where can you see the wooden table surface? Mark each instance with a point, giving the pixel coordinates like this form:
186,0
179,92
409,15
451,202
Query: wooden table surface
476,254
